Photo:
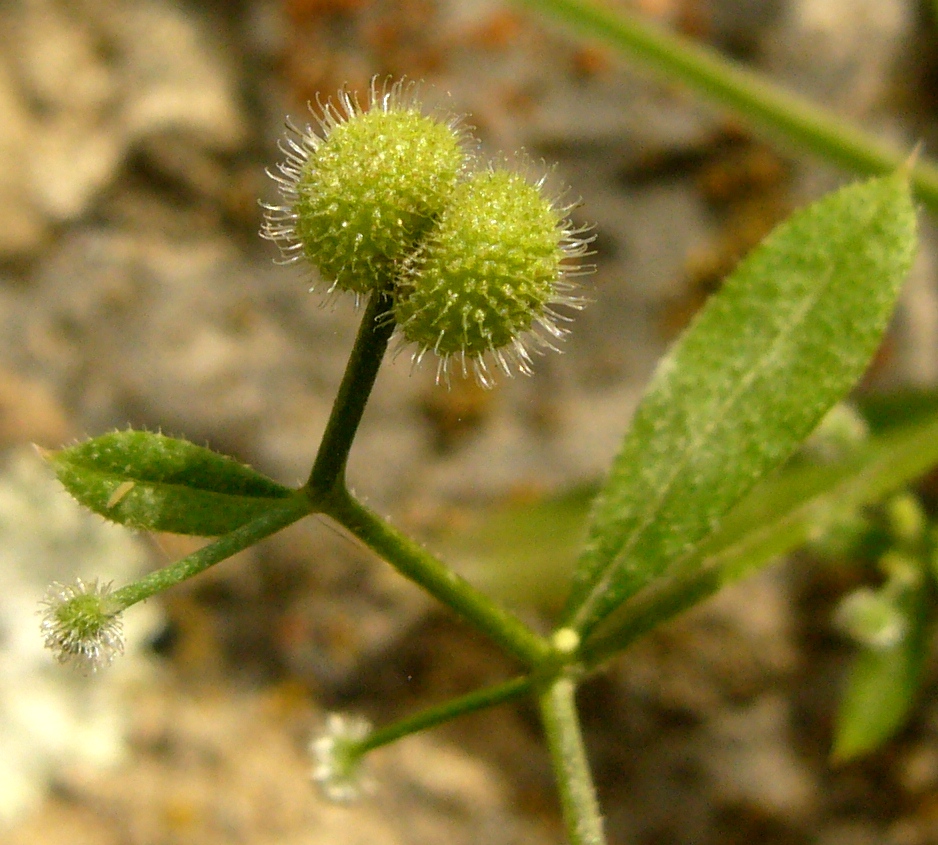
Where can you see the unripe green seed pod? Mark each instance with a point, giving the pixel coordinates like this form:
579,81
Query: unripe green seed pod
361,196
487,275
380,200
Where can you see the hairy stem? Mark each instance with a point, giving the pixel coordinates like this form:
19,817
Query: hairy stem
561,721
360,374
282,512
417,564
431,717
328,494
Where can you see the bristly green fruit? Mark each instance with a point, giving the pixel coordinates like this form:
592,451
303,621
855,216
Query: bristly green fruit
386,198
361,195
485,280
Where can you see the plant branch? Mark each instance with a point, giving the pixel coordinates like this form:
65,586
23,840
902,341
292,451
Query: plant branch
751,97
571,768
282,512
360,374
417,564
431,717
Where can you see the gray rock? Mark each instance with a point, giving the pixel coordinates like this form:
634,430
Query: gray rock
83,85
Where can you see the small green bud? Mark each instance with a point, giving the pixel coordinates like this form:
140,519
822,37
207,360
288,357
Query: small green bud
839,533
487,276
902,570
906,518
362,194
82,625
871,618
565,641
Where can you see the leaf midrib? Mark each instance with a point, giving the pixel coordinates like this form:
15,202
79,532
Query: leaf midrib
601,586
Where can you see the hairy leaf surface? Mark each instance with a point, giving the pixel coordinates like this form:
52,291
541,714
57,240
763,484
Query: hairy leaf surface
159,483
790,332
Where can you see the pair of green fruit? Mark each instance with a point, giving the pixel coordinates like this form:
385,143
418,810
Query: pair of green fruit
386,198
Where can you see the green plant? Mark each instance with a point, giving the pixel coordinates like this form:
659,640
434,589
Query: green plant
692,500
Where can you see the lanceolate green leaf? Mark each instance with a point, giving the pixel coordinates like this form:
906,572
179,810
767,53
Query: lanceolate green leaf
782,513
788,335
158,483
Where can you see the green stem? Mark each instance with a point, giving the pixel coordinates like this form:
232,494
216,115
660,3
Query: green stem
327,493
431,717
571,768
747,94
282,512
415,563
349,406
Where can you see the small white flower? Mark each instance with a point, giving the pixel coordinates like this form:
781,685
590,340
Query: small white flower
81,625
338,759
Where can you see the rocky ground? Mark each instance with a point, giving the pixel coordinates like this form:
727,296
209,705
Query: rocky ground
134,290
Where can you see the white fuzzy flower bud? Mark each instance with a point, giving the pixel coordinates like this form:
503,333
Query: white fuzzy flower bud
81,625
338,757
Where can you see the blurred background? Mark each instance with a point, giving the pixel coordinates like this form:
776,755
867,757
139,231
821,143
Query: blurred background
134,291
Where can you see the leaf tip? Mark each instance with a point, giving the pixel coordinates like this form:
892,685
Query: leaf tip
47,455
906,168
